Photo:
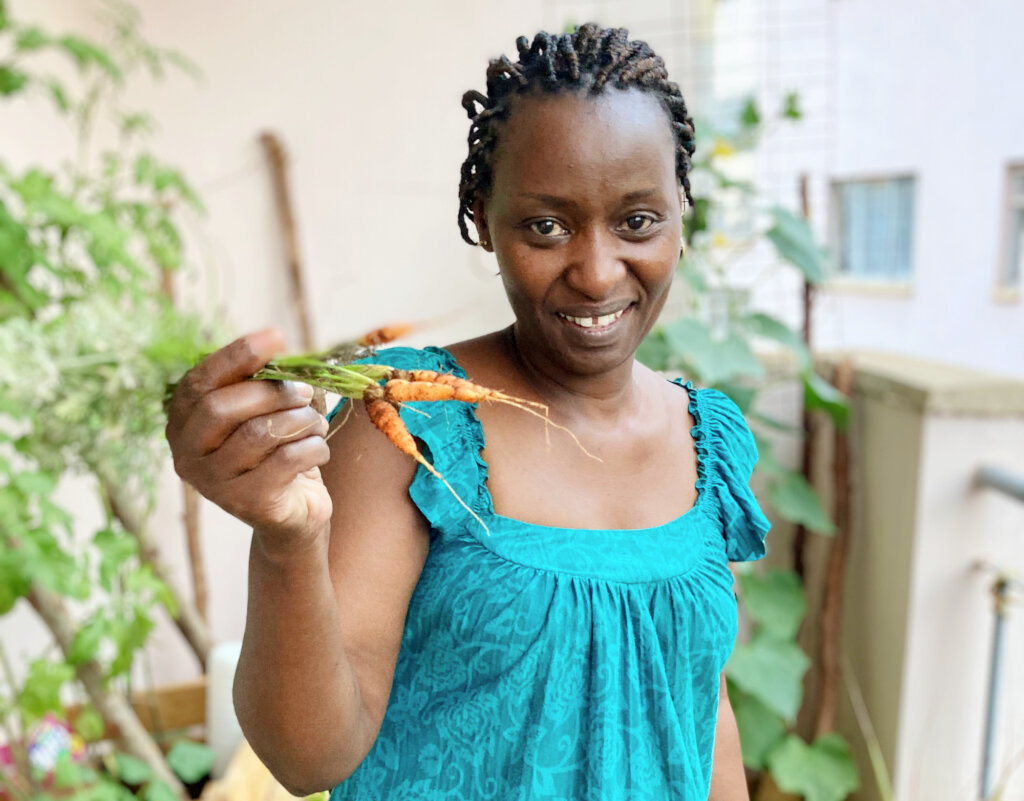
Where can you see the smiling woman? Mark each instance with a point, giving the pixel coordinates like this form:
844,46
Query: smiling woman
574,648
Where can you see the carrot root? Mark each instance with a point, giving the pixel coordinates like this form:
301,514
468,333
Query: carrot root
384,415
426,385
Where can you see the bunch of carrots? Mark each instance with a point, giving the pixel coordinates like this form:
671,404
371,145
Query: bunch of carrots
385,389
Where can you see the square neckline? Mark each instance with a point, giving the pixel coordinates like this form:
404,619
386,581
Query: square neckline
485,502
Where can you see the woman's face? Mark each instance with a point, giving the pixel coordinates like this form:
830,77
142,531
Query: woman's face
584,218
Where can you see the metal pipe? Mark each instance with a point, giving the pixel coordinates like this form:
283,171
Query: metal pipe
1000,591
1003,480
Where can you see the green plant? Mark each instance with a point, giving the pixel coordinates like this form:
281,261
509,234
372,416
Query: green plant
88,342
714,342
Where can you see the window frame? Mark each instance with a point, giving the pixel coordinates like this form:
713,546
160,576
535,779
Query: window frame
864,284
1008,290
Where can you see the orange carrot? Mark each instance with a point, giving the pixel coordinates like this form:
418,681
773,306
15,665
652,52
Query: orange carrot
385,334
426,385
465,390
384,415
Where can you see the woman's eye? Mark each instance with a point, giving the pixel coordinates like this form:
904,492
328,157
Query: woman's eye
547,228
638,222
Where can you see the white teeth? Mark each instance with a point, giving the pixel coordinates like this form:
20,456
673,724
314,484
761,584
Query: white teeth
594,322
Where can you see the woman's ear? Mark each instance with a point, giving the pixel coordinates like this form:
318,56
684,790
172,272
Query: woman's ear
483,234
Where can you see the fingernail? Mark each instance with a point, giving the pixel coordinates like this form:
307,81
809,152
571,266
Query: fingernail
303,390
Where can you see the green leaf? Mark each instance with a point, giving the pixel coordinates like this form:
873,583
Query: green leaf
740,394
58,95
86,54
772,671
129,635
130,769
190,761
89,724
31,39
820,394
797,501
750,117
34,186
3,16
115,546
34,483
13,584
791,106
774,599
761,730
11,80
764,325
654,351
713,360
87,641
794,242
156,790
67,773
824,771
41,691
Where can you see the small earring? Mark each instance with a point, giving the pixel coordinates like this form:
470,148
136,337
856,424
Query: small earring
484,243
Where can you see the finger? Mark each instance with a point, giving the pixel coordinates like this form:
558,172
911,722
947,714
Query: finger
267,483
218,414
229,365
254,441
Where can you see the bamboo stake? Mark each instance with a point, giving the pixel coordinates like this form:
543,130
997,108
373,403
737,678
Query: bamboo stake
112,706
832,606
279,171
188,620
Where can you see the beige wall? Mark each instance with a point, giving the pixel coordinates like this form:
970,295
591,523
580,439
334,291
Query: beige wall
917,617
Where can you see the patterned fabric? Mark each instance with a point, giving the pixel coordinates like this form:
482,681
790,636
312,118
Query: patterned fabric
555,663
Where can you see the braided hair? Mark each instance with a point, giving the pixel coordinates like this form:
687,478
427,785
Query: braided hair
586,60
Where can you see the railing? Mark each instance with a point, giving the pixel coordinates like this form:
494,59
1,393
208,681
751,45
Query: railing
1011,484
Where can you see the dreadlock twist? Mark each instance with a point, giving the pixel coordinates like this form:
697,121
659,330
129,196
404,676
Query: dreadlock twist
585,60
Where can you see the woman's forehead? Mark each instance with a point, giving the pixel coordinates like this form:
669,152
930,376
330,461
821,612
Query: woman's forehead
559,142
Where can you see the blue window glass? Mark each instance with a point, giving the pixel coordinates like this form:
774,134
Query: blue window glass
875,228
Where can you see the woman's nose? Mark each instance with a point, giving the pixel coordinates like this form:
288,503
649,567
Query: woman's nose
596,266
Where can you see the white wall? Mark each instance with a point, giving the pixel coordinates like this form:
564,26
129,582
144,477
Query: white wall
926,88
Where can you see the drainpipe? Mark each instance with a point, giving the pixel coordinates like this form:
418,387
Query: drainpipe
1012,485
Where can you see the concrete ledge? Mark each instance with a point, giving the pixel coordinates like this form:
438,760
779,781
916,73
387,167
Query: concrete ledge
929,386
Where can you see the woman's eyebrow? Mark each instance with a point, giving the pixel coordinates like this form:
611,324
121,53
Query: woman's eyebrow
642,194
555,201
550,200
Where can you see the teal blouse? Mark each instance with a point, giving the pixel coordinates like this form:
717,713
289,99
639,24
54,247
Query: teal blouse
557,663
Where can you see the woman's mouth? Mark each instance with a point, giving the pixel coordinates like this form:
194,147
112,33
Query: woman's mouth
599,321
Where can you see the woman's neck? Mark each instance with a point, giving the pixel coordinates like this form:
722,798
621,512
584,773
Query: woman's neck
607,394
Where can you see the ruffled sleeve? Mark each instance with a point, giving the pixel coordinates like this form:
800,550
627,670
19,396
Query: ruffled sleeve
733,453
450,437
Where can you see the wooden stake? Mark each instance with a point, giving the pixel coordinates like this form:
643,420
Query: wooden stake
279,170
190,498
807,420
832,605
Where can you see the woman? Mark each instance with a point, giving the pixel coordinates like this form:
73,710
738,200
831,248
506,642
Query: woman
573,649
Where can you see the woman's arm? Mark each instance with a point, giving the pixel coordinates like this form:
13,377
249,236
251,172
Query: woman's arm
324,626
728,780
336,553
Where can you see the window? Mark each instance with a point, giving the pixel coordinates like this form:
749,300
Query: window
1013,267
873,225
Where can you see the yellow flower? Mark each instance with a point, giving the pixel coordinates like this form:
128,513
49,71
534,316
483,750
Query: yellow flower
722,148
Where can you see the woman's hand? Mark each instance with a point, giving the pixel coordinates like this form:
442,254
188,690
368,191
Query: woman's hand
253,447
